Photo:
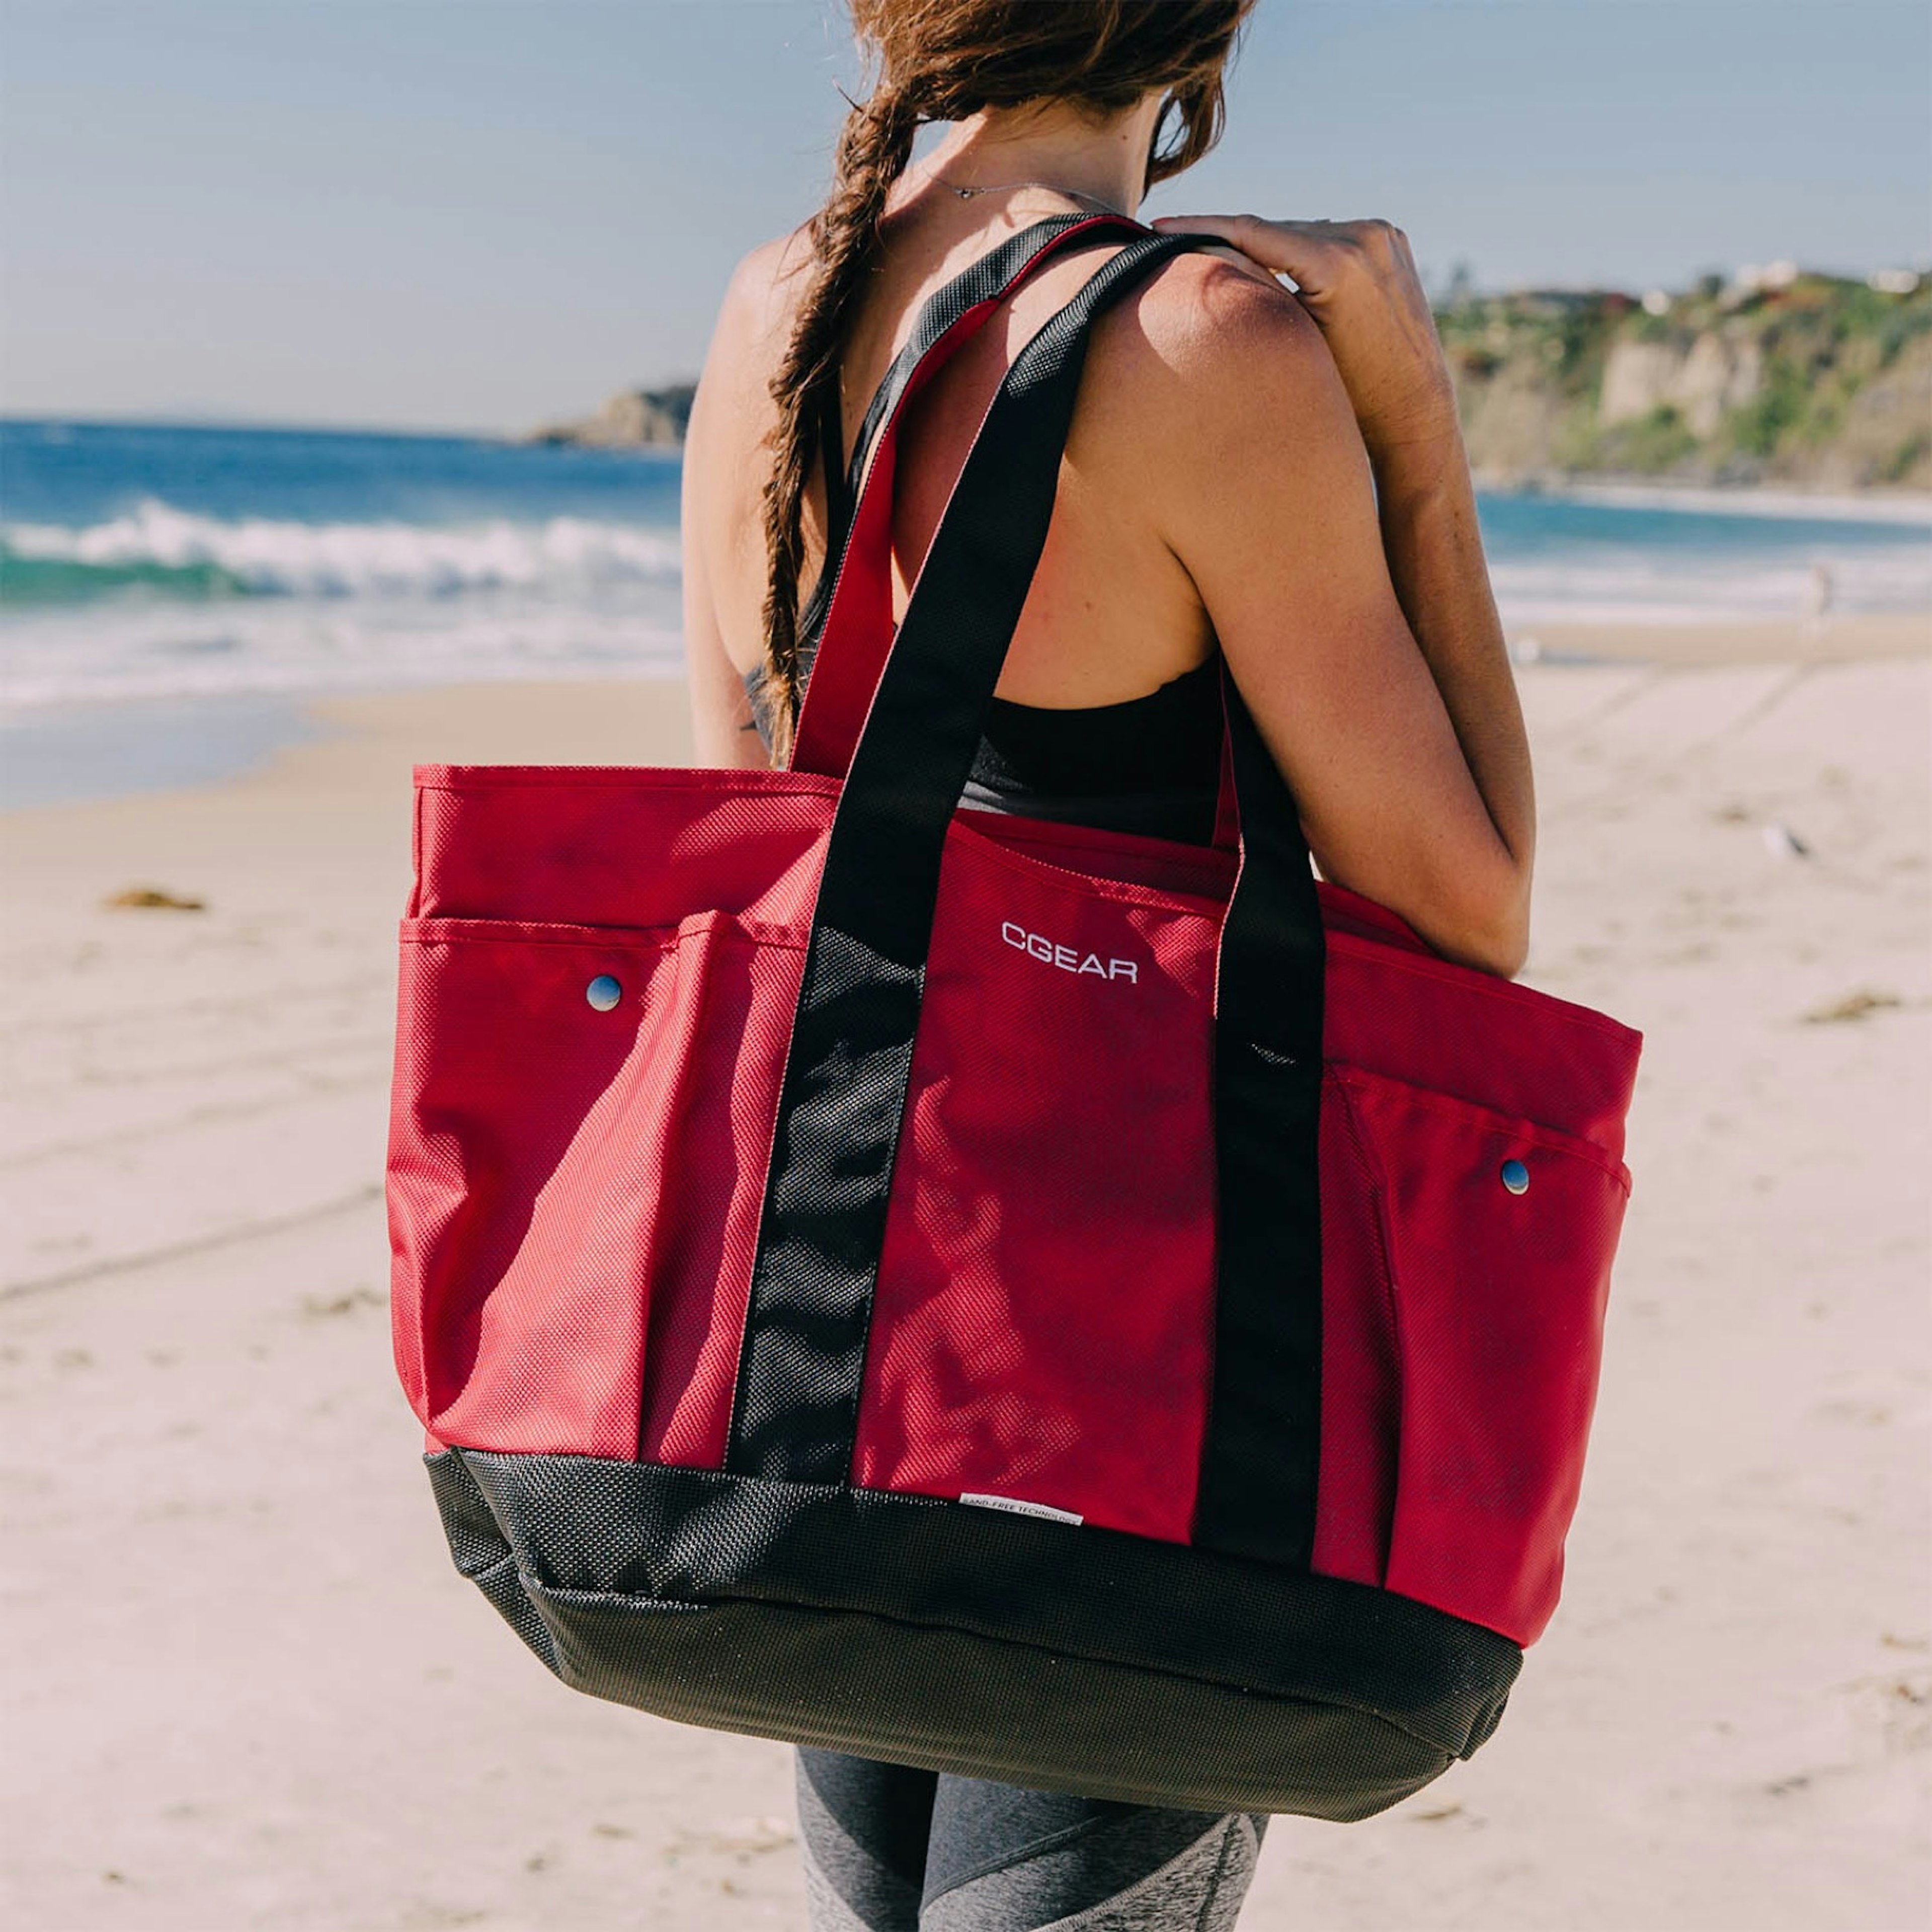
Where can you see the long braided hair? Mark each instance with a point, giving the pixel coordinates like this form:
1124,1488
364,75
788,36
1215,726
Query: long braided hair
945,60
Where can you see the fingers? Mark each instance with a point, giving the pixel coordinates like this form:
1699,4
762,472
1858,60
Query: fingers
1282,247
1248,232
1318,255
1224,226
1251,234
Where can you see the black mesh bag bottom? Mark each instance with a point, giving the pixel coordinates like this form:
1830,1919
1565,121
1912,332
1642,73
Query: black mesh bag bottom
998,1646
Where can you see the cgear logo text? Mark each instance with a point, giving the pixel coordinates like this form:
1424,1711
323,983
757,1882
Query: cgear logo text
1068,958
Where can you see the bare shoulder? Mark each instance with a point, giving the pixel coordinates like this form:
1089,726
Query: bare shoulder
754,319
1218,349
764,286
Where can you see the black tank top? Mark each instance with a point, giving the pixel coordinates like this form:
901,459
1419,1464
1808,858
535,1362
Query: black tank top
1150,765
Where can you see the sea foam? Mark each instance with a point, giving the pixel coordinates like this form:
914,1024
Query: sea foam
351,559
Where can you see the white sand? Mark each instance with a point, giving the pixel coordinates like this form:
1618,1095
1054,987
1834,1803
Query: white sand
245,1689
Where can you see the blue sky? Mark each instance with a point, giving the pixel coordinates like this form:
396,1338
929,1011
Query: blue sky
482,214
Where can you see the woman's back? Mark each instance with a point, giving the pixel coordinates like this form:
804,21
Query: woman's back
1112,615
1146,760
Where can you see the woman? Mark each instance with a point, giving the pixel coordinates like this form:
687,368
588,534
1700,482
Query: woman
1270,479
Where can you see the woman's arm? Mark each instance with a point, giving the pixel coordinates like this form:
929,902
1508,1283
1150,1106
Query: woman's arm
1318,493
730,411
1427,506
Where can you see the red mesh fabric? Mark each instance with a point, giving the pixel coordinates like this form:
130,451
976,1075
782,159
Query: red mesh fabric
1415,1017
1498,1300
605,846
516,1301
717,1122
577,1191
1049,1338
1122,857
1462,1323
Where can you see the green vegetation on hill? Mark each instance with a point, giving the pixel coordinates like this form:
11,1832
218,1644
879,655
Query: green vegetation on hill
1804,379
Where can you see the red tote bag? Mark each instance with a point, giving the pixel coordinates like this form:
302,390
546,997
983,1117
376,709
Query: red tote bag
1049,1304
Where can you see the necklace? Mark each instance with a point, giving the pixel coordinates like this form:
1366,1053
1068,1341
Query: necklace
967,193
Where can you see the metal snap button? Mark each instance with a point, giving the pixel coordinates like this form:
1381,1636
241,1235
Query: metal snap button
603,992
1516,1176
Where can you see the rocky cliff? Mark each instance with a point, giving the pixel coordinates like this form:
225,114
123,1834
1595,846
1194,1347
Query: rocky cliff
633,419
1781,377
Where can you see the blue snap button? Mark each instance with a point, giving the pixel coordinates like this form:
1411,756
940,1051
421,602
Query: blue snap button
603,992
1516,1176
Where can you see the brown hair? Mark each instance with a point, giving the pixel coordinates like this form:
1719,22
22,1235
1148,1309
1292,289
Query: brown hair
945,60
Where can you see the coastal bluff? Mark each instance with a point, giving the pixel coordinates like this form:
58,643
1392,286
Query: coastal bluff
631,419
1779,376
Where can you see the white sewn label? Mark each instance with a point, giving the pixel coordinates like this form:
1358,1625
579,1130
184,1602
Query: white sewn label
1019,1508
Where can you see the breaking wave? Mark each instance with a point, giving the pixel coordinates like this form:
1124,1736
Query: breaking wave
156,550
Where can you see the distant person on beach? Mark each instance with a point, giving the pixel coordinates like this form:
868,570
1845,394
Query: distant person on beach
1270,480
1819,590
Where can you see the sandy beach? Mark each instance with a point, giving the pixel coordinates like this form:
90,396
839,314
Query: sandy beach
245,1688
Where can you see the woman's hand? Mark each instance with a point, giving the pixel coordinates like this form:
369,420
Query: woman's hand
1358,281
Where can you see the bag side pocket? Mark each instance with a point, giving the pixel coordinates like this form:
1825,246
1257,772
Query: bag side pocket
519,1324
578,1137
1500,1236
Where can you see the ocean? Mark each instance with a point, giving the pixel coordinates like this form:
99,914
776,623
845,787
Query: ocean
215,570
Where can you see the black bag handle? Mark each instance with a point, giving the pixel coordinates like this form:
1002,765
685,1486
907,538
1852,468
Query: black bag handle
843,1096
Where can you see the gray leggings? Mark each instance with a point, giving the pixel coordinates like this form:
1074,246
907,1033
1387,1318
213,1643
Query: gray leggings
890,1849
